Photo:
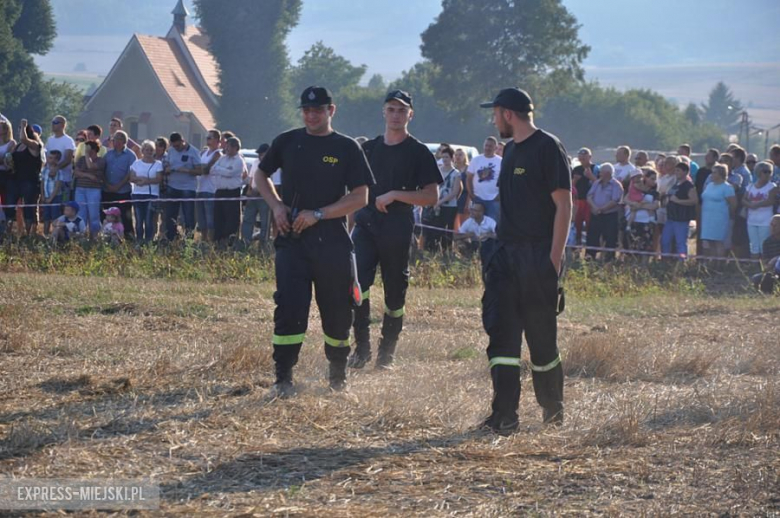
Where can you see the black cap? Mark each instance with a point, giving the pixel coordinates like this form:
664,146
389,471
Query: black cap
316,96
400,96
512,99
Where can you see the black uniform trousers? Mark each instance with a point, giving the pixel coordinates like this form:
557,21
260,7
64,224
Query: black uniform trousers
324,262
521,297
382,240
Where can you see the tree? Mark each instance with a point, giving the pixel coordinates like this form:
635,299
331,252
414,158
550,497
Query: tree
692,114
22,94
594,116
722,108
480,46
35,27
320,65
247,38
64,99
377,82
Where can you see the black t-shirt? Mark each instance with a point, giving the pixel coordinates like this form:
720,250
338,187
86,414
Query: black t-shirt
316,171
408,166
677,212
583,183
530,172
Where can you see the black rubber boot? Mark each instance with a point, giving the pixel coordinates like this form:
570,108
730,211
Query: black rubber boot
362,354
285,358
337,368
386,354
391,329
548,387
506,399
553,416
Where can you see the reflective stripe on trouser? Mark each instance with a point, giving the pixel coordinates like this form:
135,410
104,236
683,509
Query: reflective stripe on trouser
325,264
383,240
521,297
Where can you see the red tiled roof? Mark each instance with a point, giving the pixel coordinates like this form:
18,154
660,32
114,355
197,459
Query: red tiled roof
170,66
198,45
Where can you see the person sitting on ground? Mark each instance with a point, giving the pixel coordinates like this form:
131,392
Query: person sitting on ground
767,280
51,185
113,232
477,230
69,226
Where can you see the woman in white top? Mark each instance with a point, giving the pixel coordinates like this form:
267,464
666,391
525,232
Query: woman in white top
759,200
145,176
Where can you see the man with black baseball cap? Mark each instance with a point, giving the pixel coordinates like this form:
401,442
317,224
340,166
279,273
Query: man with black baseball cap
313,246
521,277
406,175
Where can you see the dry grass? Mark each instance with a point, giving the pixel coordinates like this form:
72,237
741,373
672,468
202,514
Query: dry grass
673,405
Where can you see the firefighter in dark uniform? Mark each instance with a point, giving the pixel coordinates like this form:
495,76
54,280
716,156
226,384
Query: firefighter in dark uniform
319,165
406,175
521,277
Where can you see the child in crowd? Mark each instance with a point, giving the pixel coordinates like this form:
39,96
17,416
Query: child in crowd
113,231
68,226
636,193
51,185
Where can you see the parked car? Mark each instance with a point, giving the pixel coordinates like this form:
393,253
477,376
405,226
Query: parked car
250,157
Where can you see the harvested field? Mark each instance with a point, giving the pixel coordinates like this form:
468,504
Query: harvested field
673,405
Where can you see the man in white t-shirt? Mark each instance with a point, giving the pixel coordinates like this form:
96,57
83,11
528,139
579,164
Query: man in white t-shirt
478,230
64,144
482,178
624,169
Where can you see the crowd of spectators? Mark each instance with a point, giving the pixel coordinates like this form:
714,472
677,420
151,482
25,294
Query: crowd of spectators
659,206
109,187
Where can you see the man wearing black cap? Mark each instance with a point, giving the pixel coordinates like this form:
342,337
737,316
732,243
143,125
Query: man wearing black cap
318,166
521,277
406,175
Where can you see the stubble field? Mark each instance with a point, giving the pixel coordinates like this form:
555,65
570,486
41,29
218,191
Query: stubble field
672,405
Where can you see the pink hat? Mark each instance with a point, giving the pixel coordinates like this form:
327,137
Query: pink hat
112,211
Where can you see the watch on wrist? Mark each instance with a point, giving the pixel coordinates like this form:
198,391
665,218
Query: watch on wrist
318,215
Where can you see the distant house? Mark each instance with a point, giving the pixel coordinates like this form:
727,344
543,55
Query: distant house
160,85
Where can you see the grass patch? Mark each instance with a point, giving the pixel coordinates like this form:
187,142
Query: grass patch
200,262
